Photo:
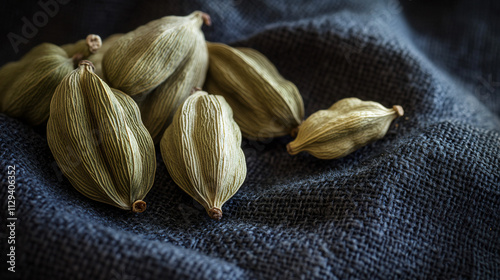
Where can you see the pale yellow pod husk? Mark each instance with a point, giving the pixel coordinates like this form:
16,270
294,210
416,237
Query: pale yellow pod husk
99,142
202,151
264,103
346,126
142,59
98,56
158,107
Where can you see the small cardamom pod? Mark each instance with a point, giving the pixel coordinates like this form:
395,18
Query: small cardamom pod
98,140
202,151
97,57
264,103
13,71
158,107
27,85
346,126
142,59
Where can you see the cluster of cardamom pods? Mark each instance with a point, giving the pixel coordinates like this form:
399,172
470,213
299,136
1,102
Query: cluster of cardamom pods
108,103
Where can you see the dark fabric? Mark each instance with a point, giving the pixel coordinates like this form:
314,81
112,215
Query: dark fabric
424,202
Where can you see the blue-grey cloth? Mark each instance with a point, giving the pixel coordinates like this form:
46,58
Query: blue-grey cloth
421,203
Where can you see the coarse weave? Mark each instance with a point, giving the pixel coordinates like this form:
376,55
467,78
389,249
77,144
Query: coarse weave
421,203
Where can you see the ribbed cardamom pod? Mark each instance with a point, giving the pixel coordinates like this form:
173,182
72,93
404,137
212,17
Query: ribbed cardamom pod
27,85
12,71
158,107
99,142
202,151
142,59
264,103
97,57
346,126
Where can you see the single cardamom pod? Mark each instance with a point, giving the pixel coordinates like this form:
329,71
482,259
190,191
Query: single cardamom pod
97,57
264,103
27,85
142,59
346,126
202,151
158,107
98,140
12,71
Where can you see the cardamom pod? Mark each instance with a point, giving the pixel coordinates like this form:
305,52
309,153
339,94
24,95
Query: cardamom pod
346,126
158,107
12,71
202,151
27,85
97,57
99,142
142,59
264,103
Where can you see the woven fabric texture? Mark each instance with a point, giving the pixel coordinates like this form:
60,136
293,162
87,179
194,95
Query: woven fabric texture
421,203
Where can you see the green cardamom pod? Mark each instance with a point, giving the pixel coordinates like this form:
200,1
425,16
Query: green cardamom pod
99,142
13,71
264,103
142,59
346,126
27,85
202,151
97,57
158,107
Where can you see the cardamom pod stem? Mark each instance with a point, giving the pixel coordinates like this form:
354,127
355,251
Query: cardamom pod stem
138,206
98,56
85,47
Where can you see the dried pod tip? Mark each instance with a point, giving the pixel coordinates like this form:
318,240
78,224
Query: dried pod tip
94,42
206,19
399,110
87,63
289,149
194,89
294,131
77,57
139,206
215,213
